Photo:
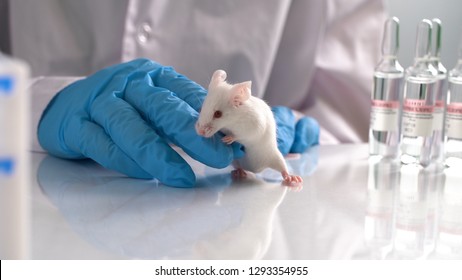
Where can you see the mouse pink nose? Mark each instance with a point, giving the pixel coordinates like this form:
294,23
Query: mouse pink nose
199,129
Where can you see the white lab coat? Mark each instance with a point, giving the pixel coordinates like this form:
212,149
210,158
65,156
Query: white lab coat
314,56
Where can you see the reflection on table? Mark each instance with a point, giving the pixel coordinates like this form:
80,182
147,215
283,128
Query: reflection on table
413,212
349,208
143,219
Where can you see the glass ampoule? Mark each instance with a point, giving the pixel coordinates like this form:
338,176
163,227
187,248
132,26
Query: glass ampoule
440,92
453,137
384,130
419,101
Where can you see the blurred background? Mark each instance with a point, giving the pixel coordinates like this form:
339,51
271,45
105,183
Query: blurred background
411,12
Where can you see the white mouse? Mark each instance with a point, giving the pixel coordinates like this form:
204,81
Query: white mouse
246,119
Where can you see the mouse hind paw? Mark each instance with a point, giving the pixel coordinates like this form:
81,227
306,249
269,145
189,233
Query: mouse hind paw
238,174
293,181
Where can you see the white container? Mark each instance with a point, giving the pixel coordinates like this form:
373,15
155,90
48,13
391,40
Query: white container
14,159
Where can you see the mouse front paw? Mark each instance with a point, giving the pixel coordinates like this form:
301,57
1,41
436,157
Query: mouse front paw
238,174
228,139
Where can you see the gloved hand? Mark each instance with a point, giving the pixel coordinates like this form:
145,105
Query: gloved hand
294,136
123,118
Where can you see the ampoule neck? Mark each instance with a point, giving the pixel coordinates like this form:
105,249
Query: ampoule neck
438,65
457,70
390,65
459,63
440,68
422,68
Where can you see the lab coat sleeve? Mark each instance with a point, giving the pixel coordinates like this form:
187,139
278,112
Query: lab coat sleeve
42,90
344,65
67,37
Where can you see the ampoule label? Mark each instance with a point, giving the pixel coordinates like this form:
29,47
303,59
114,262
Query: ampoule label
384,115
438,115
454,120
417,118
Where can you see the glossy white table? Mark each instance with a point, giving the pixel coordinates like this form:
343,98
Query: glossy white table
349,208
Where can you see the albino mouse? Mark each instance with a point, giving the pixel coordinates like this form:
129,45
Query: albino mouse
246,119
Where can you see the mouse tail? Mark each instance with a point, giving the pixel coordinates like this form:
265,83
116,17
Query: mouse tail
279,163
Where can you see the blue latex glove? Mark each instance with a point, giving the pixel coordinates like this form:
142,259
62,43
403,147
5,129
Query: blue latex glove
294,136
123,118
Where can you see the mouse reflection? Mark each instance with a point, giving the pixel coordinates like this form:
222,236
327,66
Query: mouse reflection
217,219
403,210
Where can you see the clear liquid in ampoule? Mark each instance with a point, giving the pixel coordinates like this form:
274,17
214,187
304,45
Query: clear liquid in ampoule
440,94
453,138
384,133
417,121
419,102
438,116
384,129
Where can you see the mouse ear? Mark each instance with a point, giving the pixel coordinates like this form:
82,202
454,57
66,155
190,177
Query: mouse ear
217,77
240,93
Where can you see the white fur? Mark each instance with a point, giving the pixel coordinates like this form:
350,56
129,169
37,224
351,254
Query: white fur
250,121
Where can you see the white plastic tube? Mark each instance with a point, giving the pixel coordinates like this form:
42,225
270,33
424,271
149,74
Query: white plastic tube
14,159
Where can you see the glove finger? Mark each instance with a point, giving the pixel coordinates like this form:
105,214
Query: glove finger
175,119
306,135
285,128
140,142
187,90
94,143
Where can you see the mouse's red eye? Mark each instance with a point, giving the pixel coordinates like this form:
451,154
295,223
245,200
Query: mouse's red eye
217,114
